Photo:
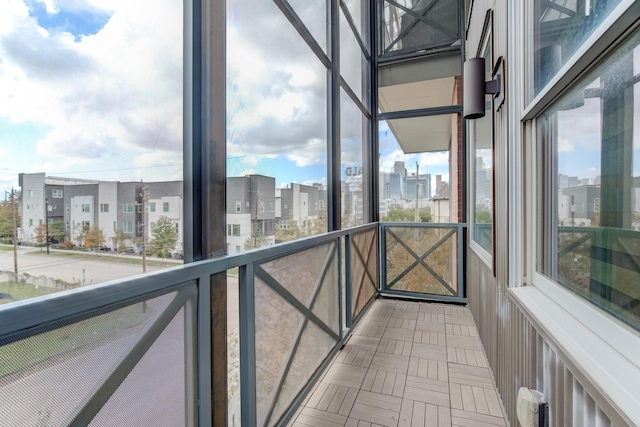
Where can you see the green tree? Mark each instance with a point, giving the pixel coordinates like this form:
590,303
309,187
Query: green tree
407,215
56,230
255,242
483,216
120,240
94,238
163,237
6,219
41,235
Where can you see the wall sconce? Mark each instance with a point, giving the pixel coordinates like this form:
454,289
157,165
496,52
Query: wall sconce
475,88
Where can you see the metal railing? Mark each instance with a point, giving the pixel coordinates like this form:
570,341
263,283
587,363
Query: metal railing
603,265
422,260
88,353
82,356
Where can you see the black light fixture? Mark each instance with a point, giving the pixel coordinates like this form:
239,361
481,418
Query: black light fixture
475,88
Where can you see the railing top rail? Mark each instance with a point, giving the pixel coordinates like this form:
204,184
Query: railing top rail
425,224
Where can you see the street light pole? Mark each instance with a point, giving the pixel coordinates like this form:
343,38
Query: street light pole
15,234
144,229
46,220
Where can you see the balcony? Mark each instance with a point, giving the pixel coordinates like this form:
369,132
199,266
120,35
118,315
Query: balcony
305,328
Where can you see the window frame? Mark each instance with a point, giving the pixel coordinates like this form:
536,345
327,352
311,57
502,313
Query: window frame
488,258
600,349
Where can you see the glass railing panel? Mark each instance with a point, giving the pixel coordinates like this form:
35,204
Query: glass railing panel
49,377
422,260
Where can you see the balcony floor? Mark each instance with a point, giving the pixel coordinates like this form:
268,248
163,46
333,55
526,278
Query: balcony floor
407,364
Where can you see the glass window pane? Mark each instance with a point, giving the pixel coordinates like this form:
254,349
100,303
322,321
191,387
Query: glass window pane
276,128
424,83
314,16
90,116
409,26
429,148
353,64
353,129
560,28
360,19
481,133
589,198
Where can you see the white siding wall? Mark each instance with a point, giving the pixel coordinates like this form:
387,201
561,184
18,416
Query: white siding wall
108,194
519,351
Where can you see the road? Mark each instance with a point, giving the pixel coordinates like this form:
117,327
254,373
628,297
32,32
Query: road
70,269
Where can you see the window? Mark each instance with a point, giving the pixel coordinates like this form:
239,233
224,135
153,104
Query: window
152,225
152,206
30,222
127,208
127,227
165,207
115,225
86,207
139,208
481,131
233,229
104,207
30,193
56,194
589,186
261,206
560,28
238,206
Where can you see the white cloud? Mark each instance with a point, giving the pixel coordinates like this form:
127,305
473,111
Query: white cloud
117,90
564,145
440,158
248,172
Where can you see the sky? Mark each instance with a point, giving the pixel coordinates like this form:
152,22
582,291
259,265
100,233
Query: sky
90,89
93,89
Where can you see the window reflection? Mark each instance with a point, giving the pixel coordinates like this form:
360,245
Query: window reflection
276,126
590,181
90,133
482,149
560,28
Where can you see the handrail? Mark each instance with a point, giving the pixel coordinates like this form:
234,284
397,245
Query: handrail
42,314
34,312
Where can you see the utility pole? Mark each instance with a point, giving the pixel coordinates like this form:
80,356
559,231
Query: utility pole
46,220
417,216
144,228
15,234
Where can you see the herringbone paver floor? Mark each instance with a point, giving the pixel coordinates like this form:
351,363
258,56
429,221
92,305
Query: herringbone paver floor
407,364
